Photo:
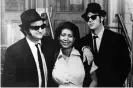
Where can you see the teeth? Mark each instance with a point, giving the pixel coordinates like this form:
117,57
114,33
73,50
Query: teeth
65,43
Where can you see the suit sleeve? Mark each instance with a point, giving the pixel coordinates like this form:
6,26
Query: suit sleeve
9,71
124,60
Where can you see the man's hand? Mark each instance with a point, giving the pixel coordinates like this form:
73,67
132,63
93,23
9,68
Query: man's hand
87,55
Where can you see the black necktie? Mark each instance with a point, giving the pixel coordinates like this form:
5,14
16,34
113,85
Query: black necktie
95,45
40,64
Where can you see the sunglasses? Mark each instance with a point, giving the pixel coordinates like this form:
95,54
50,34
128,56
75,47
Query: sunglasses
93,17
37,27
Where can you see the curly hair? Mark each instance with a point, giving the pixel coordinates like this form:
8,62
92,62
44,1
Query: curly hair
67,25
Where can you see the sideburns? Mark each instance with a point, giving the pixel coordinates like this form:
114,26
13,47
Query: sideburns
100,19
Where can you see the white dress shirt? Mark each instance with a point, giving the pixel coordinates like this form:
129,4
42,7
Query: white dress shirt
35,55
98,40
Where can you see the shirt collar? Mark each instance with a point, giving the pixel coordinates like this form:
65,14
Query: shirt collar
32,43
74,52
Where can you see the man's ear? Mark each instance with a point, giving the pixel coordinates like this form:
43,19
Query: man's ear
102,19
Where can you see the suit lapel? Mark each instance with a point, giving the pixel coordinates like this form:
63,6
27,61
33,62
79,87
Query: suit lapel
28,56
104,40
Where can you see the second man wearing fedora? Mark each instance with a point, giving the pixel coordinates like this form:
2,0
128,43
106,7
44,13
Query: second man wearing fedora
28,62
110,50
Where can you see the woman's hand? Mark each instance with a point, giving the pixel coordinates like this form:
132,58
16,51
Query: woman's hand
61,80
60,76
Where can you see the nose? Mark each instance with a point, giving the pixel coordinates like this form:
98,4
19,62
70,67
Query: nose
40,29
65,38
90,20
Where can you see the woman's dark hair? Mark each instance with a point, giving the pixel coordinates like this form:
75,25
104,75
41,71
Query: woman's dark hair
67,25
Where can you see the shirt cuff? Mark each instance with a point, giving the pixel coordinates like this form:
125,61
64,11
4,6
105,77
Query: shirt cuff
93,67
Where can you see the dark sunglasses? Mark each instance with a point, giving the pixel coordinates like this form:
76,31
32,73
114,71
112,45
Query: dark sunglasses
93,17
37,27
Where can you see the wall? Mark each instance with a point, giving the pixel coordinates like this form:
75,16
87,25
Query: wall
124,7
128,16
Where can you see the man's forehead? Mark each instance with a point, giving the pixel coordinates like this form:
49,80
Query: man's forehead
90,13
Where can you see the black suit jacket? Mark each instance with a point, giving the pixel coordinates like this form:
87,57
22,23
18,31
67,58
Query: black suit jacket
113,59
20,68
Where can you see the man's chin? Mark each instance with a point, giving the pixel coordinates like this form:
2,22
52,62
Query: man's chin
92,28
38,38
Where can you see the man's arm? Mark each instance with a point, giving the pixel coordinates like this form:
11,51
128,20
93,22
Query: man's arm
124,58
9,71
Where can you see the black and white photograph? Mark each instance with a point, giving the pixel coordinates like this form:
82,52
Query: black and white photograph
66,43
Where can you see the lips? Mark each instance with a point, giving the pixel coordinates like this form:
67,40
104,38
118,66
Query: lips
40,33
65,43
90,25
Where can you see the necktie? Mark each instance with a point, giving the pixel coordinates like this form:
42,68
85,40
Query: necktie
40,64
95,45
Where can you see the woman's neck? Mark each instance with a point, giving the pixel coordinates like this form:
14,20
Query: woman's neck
67,51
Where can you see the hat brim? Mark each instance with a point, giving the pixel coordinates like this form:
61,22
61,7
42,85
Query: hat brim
103,13
25,24
20,25
84,16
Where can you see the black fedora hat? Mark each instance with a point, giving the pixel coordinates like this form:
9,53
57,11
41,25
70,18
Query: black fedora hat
94,8
29,16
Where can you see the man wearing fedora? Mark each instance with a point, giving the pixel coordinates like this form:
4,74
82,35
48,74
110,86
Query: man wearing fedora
110,49
28,62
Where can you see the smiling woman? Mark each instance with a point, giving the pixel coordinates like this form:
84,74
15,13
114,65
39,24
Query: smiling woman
66,38
67,34
69,69
72,28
